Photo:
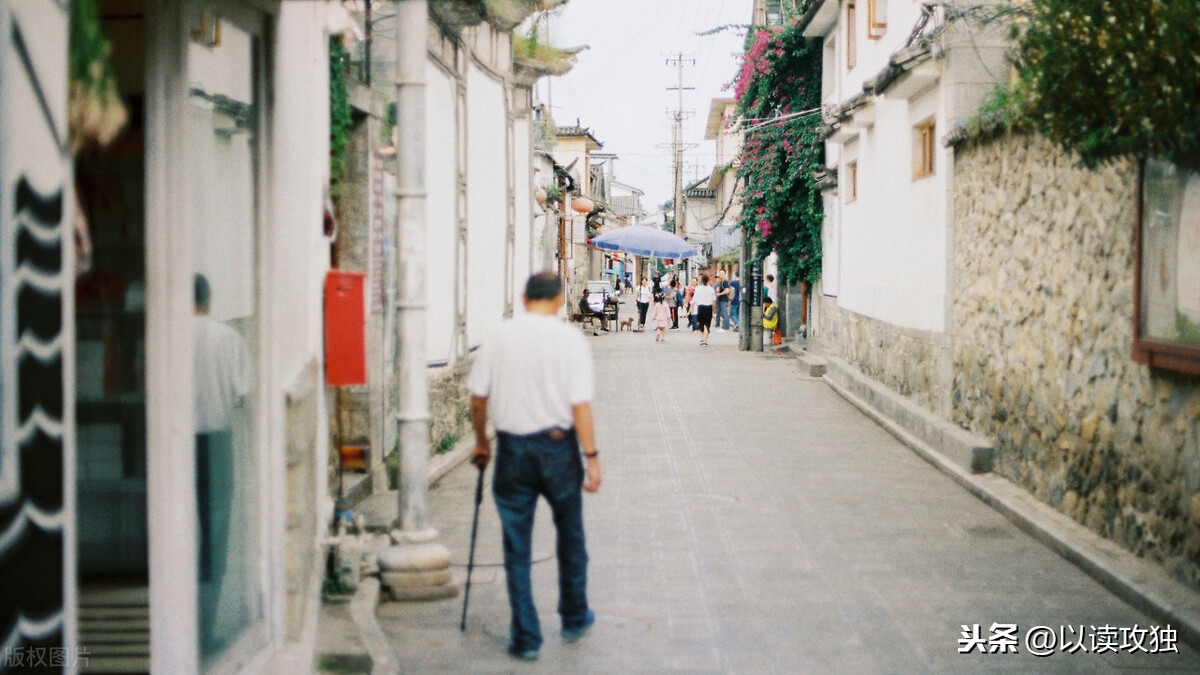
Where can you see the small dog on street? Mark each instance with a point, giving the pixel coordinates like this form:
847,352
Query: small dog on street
626,324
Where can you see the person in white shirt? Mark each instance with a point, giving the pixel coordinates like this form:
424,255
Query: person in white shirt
644,295
221,382
535,372
702,300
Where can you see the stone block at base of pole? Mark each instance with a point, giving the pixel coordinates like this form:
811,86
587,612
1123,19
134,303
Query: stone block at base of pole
416,567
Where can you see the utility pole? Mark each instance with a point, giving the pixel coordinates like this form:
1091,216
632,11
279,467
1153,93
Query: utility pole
677,144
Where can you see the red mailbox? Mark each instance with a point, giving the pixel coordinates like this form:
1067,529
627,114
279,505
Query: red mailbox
345,329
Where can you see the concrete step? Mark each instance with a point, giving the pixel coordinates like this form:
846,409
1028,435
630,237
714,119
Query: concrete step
971,451
810,363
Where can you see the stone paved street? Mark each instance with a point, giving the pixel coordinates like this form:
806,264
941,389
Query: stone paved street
751,521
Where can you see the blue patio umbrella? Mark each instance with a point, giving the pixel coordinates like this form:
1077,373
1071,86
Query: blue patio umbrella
645,241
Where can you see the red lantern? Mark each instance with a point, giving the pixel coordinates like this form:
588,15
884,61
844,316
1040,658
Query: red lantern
582,204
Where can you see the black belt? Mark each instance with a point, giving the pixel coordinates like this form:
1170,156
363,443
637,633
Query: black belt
554,434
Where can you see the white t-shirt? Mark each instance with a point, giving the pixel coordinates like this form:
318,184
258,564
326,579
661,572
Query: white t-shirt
704,295
644,294
533,369
222,373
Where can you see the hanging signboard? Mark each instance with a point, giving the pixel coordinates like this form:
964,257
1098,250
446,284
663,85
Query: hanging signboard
754,283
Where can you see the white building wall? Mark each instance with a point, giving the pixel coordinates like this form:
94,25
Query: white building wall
441,183
297,257
523,264
487,202
300,175
893,240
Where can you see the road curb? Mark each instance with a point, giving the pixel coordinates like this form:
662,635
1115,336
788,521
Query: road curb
1141,583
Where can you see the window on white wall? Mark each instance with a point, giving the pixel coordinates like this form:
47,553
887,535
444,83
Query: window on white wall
851,46
876,18
851,181
924,147
774,13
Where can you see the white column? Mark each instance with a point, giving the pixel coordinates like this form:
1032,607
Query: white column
417,566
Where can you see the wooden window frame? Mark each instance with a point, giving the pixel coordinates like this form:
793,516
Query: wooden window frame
1156,353
851,34
851,181
876,24
925,149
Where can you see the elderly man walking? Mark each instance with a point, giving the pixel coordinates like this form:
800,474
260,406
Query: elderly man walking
536,372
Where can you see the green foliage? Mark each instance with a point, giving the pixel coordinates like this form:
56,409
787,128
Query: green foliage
90,48
391,464
1002,101
334,585
340,119
1107,78
533,45
1188,332
1002,109
96,111
781,205
447,443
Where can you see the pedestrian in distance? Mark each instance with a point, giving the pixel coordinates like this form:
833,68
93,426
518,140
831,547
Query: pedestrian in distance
534,373
769,287
673,298
770,322
644,296
691,308
724,294
662,317
585,309
702,302
735,301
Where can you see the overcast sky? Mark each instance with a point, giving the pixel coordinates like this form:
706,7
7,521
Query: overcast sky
618,88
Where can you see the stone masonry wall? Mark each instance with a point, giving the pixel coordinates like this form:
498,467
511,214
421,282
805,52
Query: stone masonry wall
1042,325
911,362
450,407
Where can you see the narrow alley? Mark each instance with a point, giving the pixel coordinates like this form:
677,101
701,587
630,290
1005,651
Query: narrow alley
737,533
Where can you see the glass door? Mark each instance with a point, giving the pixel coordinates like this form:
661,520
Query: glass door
223,121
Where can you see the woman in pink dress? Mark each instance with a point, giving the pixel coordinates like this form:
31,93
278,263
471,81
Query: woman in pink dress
662,317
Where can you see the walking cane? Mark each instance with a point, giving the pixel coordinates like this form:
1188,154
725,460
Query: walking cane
471,556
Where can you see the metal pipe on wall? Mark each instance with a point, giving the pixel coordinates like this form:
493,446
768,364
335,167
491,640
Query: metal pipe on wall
413,413
416,554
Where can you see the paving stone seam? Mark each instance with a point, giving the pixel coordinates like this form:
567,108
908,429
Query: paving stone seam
1142,584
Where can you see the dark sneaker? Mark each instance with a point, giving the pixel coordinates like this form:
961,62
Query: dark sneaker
573,634
523,654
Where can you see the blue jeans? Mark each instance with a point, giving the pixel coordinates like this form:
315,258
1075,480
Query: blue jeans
526,467
722,318
735,311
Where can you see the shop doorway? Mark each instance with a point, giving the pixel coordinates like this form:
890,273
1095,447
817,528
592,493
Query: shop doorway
110,321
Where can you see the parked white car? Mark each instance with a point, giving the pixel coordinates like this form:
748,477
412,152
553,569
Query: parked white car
602,297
